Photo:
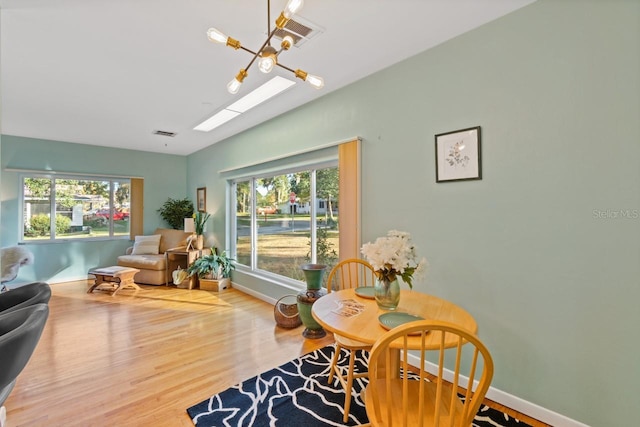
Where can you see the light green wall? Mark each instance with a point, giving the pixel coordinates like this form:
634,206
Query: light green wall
532,250
164,176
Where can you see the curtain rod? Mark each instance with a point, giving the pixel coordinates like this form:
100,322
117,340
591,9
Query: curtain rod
295,153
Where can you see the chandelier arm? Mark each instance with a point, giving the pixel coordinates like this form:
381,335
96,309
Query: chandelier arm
248,50
285,67
269,17
251,62
255,55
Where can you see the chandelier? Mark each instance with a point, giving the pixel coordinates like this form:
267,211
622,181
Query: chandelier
267,54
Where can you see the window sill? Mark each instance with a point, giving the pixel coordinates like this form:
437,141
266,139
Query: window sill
71,240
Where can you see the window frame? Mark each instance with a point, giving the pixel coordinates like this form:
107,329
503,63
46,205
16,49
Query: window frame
349,153
52,177
266,172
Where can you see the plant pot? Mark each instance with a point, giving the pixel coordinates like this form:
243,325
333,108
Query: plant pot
199,242
214,284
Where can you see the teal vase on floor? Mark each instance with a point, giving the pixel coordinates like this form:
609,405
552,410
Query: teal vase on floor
313,275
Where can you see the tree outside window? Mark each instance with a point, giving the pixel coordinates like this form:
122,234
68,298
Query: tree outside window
286,235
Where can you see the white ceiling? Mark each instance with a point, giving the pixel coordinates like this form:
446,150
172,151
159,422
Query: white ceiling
110,72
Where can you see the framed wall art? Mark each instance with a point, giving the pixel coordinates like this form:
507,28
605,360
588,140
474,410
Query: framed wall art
458,155
201,198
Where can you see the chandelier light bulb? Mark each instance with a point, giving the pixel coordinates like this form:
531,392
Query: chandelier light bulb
234,86
287,42
292,7
315,81
216,36
265,64
268,59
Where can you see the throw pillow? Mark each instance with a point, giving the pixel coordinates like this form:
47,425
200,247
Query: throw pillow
146,245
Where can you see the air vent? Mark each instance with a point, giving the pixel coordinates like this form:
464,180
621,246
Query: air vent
164,133
300,29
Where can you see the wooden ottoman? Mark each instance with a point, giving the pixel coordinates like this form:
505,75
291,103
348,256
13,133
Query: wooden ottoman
113,279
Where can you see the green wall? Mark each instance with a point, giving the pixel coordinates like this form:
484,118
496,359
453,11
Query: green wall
164,176
544,251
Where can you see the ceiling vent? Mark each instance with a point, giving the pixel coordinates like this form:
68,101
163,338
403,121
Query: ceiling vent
300,29
164,133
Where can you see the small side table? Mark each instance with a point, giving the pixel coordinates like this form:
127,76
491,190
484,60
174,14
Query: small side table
113,279
182,258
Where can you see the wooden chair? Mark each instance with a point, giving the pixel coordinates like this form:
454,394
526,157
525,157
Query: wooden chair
393,401
350,273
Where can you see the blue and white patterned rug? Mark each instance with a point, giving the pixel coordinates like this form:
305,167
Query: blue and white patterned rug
298,394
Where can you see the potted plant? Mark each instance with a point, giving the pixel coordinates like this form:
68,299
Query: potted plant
175,211
199,220
213,270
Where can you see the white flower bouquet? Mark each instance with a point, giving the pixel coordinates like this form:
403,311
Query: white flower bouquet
394,255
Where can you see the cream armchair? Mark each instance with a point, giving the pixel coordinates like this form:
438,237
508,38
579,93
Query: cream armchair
153,263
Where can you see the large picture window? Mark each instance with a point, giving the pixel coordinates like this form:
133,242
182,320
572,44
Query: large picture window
287,219
72,207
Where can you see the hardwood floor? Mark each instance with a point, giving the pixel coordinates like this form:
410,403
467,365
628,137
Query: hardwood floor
141,358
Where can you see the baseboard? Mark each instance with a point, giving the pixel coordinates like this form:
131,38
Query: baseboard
510,401
53,281
254,293
531,409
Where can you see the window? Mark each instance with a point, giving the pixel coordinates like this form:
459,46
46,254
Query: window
296,209
71,207
287,219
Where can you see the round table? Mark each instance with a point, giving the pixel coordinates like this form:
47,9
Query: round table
365,326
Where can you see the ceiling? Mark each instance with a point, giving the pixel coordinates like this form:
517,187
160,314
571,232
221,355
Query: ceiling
111,72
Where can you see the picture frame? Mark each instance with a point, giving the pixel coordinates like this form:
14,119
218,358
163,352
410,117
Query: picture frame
458,155
201,199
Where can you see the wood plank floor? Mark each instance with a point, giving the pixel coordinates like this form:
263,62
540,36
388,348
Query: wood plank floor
141,358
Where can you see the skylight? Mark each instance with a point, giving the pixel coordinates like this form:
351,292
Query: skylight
258,96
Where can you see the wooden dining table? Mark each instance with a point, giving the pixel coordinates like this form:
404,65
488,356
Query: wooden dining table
366,327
